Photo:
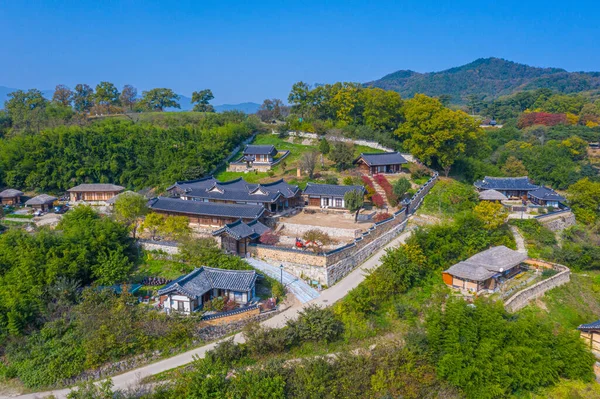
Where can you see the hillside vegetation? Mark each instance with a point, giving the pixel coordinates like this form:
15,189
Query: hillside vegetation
488,78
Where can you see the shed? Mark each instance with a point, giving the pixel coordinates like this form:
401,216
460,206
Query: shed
42,202
545,196
10,196
96,192
236,236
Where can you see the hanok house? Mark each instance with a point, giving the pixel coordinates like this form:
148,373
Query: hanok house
10,196
492,196
590,333
190,292
259,154
206,213
42,202
236,236
485,271
386,162
545,196
511,187
94,192
328,195
274,197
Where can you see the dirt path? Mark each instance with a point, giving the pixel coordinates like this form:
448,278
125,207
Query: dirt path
519,239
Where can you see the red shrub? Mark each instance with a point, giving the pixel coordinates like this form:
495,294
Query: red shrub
367,182
387,187
377,200
269,238
381,217
541,118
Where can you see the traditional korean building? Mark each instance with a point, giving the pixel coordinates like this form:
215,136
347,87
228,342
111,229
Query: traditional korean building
206,213
545,196
188,293
328,195
260,154
511,187
236,236
485,271
492,196
590,333
386,162
10,196
274,197
42,202
94,192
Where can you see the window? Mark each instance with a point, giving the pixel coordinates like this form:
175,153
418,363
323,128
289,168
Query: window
338,202
238,296
181,306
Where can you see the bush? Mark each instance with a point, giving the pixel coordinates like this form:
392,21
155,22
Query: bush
331,180
387,187
315,324
262,341
348,181
418,171
269,238
381,216
378,201
317,237
226,352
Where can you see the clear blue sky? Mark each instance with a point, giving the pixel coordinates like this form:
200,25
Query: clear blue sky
248,52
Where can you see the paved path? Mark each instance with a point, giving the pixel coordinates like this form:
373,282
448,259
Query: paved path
302,291
519,240
327,297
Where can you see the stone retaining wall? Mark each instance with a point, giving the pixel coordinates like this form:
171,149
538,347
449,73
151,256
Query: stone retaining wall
557,222
335,232
169,248
522,298
242,315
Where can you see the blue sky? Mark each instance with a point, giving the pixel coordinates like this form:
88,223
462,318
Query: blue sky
248,52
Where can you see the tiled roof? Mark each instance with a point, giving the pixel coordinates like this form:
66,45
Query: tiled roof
546,194
96,188
330,189
239,229
260,150
114,199
384,158
492,195
485,264
590,326
235,190
41,199
203,279
10,192
505,183
206,208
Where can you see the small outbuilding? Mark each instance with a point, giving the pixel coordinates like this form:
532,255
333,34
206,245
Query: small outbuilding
385,162
190,292
42,202
485,271
492,196
260,153
94,192
328,195
236,236
545,196
590,333
10,196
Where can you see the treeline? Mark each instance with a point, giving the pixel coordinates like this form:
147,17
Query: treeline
31,111
120,152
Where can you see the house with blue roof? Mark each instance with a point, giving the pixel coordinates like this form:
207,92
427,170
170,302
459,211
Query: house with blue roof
235,237
511,187
190,292
590,333
328,195
386,162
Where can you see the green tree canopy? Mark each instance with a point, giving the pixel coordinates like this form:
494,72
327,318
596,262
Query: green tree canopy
159,99
202,99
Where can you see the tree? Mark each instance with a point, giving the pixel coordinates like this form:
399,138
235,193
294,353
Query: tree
308,163
129,208
201,99
128,97
83,98
107,95
514,167
271,110
433,133
584,198
492,214
382,109
159,99
324,146
153,223
342,154
400,187
176,227
269,238
26,109
316,239
62,95
300,98
354,201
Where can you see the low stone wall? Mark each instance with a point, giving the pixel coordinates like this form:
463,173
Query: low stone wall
557,222
241,314
522,298
286,255
335,232
170,248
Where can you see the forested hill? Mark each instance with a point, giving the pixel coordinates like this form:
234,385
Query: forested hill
487,78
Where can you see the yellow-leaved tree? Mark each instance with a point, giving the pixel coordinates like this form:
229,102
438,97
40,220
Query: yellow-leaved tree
492,214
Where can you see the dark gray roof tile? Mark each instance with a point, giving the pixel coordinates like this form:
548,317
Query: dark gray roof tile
384,158
203,279
330,189
505,183
199,208
260,150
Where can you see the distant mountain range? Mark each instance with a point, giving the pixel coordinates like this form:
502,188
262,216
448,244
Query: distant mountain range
185,102
489,78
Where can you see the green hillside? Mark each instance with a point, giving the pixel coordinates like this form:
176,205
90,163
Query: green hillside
488,78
